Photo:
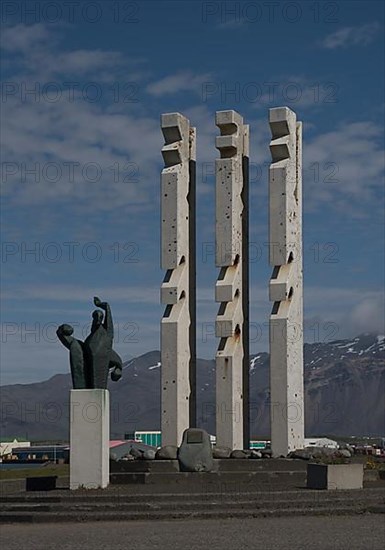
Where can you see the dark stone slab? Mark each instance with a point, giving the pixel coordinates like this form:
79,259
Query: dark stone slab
219,465
142,466
221,452
168,452
253,465
213,481
239,454
44,483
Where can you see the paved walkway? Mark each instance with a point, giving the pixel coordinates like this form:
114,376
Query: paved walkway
312,533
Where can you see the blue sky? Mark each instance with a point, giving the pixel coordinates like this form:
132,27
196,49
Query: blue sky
82,93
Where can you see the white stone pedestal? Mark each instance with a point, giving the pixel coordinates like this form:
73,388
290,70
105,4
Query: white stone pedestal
89,439
335,476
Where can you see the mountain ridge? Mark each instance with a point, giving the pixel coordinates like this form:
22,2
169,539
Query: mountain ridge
344,394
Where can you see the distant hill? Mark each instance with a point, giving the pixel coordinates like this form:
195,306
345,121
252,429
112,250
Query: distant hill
344,388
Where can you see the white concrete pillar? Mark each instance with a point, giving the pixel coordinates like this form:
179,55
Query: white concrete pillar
178,258
285,289
233,145
89,439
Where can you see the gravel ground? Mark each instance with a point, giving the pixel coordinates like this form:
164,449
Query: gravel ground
310,533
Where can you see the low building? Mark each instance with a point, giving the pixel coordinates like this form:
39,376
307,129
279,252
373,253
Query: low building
6,446
154,439
41,453
321,442
151,438
259,445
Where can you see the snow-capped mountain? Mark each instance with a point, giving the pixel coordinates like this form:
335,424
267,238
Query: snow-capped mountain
344,394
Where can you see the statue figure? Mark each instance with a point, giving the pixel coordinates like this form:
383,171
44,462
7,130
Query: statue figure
92,359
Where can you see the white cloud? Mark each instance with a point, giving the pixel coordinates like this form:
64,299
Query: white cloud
296,91
367,315
40,53
80,135
21,38
345,167
351,36
185,81
71,131
353,310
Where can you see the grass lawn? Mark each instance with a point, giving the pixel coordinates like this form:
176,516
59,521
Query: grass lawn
49,470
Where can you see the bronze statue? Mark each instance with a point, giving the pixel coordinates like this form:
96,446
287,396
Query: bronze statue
92,359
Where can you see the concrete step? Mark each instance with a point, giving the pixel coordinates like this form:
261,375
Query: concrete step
99,506
141,466
219,504
123,494
78,516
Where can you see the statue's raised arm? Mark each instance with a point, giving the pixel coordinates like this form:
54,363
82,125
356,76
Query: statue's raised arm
78,371
107,323
64,333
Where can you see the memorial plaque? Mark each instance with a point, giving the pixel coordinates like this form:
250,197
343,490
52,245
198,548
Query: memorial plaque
194,436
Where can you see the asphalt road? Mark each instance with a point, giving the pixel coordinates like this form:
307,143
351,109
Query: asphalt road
365,532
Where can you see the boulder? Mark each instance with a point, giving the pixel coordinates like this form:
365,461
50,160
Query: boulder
343,453
221,452
168,452
266,453
127,457
136,453
195,454
320,452
303,454
255,454
239,453
149,454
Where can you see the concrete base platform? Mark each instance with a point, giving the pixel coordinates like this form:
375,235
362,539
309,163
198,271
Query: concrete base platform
243,474
220,465
215,481
261,488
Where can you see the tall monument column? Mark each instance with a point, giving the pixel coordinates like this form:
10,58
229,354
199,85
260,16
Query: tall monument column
178,326
232,322
285,289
